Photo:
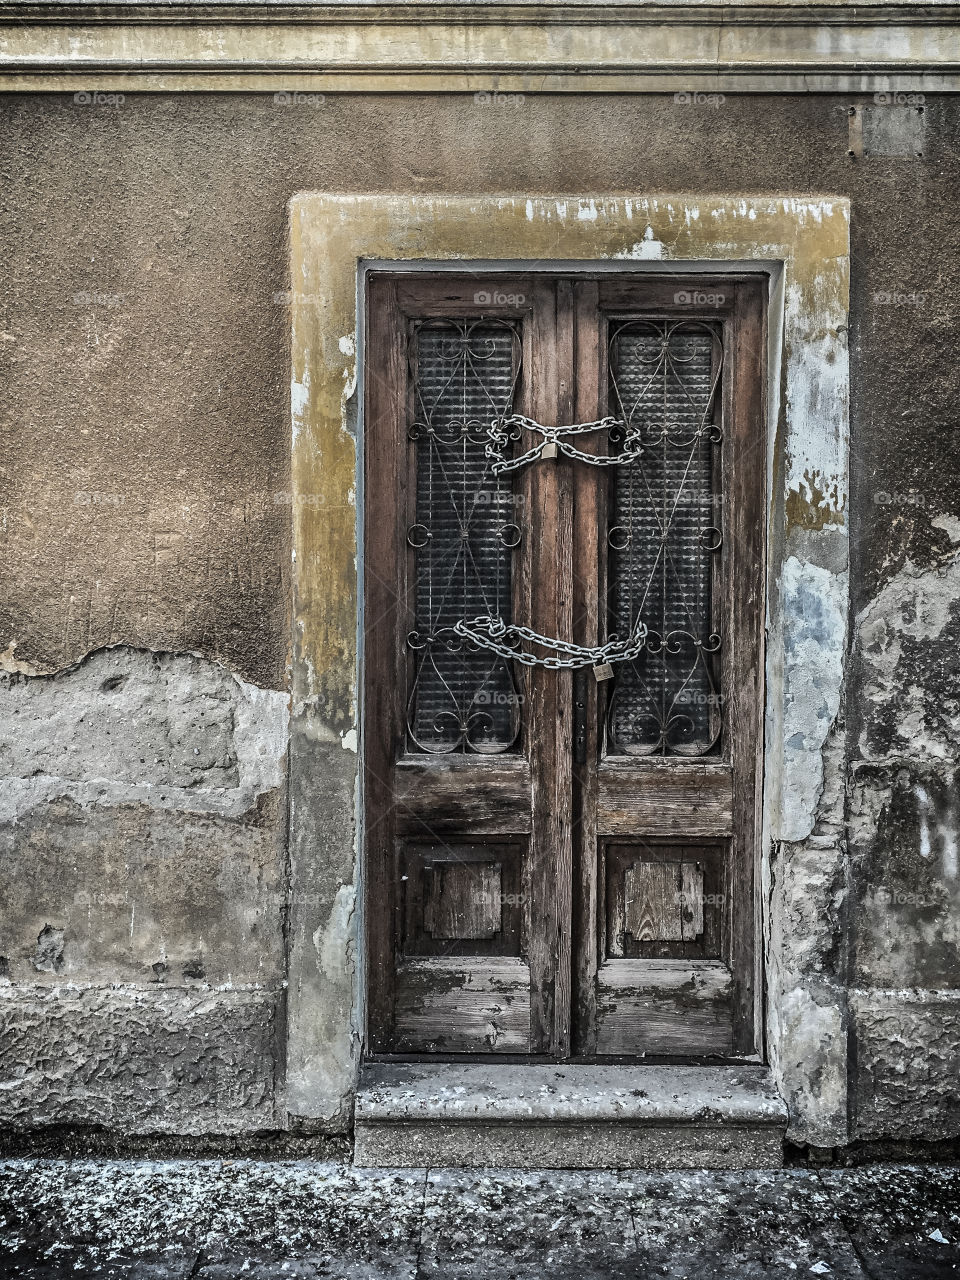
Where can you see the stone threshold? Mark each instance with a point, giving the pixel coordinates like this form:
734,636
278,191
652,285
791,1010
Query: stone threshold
568,1116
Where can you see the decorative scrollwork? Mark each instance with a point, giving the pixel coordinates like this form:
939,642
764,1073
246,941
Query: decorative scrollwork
665,538
462,698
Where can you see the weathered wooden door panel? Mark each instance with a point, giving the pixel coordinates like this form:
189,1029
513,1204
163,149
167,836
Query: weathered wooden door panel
670,780
466,754
558,862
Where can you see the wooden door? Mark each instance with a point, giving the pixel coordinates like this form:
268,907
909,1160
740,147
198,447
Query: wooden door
547,873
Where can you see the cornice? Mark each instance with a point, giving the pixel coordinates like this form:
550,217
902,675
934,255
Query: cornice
525,46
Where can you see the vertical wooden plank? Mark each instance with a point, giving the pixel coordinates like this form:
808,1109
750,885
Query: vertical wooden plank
589,530
549,531
745,448
549,719
746,691
386,494
691,890
563,776
642,895
652,902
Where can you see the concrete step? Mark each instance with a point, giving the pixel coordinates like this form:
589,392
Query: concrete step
567,1117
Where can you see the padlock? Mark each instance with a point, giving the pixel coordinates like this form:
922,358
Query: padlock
603,671
549,449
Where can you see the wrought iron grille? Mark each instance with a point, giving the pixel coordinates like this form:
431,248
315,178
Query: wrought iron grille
463,698
664,537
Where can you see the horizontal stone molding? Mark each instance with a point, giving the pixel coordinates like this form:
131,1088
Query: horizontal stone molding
466,47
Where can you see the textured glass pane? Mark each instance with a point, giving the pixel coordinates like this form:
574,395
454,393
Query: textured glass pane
464,377
664,537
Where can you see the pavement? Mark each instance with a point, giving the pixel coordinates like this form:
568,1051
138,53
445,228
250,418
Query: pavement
298,1220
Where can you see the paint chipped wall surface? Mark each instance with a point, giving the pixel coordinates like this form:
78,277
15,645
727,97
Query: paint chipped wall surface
146,615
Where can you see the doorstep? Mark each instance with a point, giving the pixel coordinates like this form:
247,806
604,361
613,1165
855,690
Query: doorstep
452,1115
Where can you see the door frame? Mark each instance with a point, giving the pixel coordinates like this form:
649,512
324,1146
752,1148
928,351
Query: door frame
802,245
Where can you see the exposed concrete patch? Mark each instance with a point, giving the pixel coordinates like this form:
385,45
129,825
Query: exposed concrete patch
125,726
905,807
910,629
323,999
950,526
908,1063
48,957
142,840
813,1078
11,664
806,995
904,825
334,940
160,1061
813,602
125,893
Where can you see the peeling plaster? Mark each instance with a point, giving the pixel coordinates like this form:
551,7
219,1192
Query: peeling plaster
129,726
905,825
813,603
333,942
950,526
12,665
912,614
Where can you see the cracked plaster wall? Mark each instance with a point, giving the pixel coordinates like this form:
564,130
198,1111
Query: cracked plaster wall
145,264
142,895
904,833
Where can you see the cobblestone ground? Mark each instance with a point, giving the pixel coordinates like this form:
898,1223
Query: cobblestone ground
254,1220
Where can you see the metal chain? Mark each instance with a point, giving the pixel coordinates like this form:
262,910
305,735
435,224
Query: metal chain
489,633
500,436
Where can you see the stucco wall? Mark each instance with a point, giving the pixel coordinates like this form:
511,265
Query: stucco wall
145,381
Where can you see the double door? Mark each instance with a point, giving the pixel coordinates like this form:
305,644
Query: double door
563,664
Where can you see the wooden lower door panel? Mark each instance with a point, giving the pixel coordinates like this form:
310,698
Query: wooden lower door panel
664,1007
665,798
452,1004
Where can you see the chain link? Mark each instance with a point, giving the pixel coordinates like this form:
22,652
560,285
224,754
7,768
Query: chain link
501,433
489,633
